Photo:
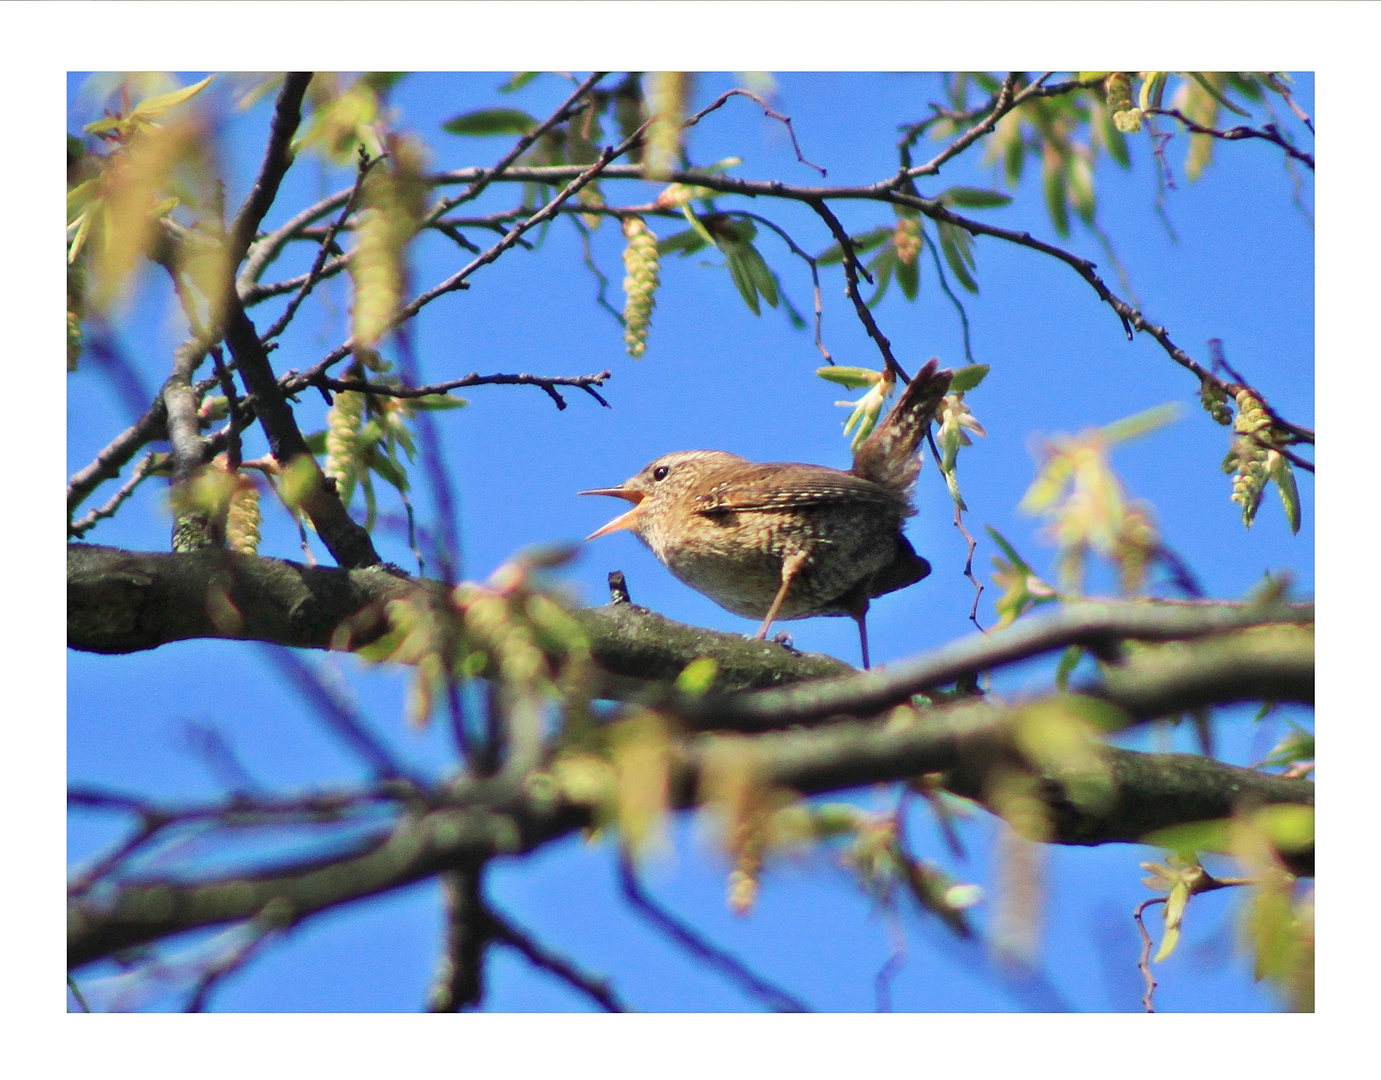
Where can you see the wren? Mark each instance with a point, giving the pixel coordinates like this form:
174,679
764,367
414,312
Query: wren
783,540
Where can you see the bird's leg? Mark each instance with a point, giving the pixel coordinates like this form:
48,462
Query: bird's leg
790,565
862,619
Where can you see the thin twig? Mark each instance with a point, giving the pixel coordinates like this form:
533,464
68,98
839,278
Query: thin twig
1144,963
593,987
323,692
328,241
791,131
458,280
601,297
776,999
809,261
1270,133
267,247
851,268
259,934
546,382
145,467
958,304
287,115
567,108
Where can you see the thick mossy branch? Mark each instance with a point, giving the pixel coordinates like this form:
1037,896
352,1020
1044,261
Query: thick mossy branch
1147,792
121,601
126,601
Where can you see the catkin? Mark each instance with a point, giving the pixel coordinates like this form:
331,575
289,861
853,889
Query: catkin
342,426
1247,460
242,517
640,262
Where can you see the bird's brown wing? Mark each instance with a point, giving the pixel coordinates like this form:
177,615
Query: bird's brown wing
785,491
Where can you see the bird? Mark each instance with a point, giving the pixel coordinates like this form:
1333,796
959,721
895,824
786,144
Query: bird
786,540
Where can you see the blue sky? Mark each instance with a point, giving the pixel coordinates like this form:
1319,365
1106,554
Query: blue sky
716,376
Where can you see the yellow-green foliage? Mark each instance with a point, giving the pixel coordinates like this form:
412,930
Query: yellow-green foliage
667,95
393,201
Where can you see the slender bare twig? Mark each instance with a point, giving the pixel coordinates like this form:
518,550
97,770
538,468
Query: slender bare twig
568,108
1004,102
968,538
775,998
236,421
596,989
85,524
327,242
851,269
287,114
766,108
257,936
150,825
256,294
958,304
327,697
588,256
546,382
77,994
814,273
267,247
458,280
1270,133
1144,963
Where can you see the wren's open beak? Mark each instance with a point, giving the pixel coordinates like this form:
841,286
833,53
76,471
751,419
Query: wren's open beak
623,521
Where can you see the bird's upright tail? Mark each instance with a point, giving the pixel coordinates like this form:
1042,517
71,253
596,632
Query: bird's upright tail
888,455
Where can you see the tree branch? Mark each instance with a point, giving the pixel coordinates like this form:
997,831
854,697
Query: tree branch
278,156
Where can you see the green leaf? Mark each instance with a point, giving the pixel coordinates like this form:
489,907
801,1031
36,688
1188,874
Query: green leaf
977,198
1054,184
105,123
1249,83
151,108
1069,660
382,81
699,226
316,442
1142,423
863,244
1216,94
760,273
1014,158
433,402
390,470
685,242
1152,91
855,378
957,245
1284,477
1113,140
966,378
491,122
1194,837
698,676
909,277
882,268
1081,192
1008,550
518,80
743,277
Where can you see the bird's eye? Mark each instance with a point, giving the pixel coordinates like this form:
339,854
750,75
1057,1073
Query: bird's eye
660,472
